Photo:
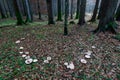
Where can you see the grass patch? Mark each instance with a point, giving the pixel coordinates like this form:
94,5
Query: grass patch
7,22
117,37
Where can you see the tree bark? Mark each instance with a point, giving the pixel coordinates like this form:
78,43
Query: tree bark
10,7
66,16
29,17
71,9
102,4
50,12
5,7
95,11
59,11
107,18
39,10
78,9
2,11
118,14
82,12
17,13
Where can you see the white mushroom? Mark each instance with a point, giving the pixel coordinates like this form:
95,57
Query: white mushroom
24,55
83,61
87,56
21,48
49,58
28,61
46,61
17,42
35,60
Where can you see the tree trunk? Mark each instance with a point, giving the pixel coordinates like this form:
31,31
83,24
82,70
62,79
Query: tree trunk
63,6
118,14
50,12
71,9
107,18
54,7
82,12
95,11
5,7
78,9
59,11
17,13
10,7
29,17
102,4
39,10
66,16
2,11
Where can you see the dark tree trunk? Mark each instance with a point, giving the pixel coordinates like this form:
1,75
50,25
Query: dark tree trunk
2,11
21,7
17,13
118,14
24,8
10,7
50,12
39,10
102,4
107,18
66,16
59,11
95,11
5,7
82,12
78,9
71,9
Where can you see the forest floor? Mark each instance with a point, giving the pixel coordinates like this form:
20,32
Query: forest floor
42,41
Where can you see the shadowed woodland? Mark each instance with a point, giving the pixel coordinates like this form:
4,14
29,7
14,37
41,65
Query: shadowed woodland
59,39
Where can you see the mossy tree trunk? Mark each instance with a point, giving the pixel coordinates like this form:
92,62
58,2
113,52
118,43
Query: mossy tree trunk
59,11
66,17
78,9
50,12
95,11
17,13
82,12
118,14
107,18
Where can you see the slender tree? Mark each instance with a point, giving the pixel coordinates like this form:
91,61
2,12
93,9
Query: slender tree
59,11
39,10
71,16
82,12
63,6
78,9
50,12
107,18
95,11
17,13
28,12
66,16
118,13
